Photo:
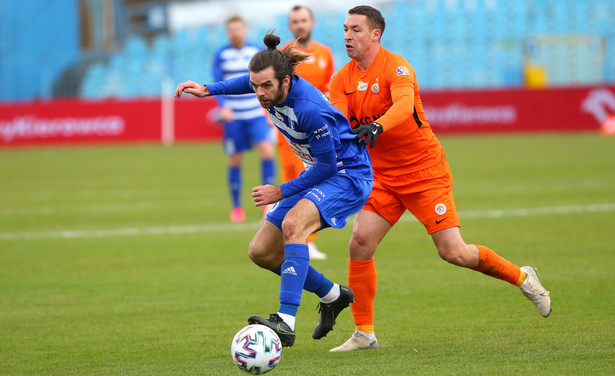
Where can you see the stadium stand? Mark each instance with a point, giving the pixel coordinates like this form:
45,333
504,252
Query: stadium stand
452,44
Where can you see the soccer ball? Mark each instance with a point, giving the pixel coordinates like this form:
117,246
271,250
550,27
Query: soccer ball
256,349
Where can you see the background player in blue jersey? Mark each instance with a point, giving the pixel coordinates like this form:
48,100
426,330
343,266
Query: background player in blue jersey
244,120
335,185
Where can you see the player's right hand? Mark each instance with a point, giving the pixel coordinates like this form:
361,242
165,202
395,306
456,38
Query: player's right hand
193,88
267,194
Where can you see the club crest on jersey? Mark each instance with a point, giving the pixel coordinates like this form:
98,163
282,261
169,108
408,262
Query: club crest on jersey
402,71
440,209
278,115
375,88
362,86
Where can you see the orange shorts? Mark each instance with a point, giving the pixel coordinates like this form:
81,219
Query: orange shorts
427,194
290,164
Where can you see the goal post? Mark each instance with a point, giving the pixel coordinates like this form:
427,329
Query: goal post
565,60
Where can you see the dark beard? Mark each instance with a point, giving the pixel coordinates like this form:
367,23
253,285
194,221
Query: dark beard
304,41
278,98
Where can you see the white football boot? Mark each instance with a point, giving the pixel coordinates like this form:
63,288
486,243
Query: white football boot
357,342
534,292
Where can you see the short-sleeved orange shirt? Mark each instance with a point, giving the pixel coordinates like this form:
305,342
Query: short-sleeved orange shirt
387,92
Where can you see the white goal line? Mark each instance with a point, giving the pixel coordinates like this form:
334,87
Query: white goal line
251,226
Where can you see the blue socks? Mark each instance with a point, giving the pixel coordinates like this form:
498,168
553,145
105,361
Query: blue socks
268,171
234,183
234,179
294,271
315,281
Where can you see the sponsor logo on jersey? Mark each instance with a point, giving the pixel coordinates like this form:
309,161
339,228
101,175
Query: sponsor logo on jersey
355,121
362,86
402,71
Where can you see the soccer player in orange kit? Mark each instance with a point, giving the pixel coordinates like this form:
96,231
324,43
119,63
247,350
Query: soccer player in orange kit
378,92
317,70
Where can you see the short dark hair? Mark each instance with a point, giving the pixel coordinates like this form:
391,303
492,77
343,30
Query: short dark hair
299,7
283,62
374,17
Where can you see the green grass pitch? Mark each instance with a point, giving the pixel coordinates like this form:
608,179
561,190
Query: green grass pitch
120,260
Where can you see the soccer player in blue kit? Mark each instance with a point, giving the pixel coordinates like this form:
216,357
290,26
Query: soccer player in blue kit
244,120
335,185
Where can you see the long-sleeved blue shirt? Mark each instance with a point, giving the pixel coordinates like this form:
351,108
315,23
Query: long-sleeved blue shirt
318,133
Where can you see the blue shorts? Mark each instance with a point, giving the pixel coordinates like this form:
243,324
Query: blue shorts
240,135
337,198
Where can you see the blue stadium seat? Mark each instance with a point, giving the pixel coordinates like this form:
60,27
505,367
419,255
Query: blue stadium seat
93,81
450,43
135,48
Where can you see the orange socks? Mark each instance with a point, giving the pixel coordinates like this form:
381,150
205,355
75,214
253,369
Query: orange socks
362,280
494,265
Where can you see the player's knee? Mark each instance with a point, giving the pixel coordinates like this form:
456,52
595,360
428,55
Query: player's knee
455,254
361,247
266,150
291,230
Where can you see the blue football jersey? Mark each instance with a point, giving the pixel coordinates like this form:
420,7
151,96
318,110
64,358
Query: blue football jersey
314,128
231,62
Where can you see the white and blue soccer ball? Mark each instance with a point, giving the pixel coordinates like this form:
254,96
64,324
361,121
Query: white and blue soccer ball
256,349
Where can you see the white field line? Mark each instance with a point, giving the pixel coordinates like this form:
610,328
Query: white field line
101,208
234,227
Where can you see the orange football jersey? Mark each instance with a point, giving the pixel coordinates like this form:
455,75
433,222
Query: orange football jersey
387,92
319,68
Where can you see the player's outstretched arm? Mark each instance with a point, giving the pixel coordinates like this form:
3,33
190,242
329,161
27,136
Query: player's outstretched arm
193,88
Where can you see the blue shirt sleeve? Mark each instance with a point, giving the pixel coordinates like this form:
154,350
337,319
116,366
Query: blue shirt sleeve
236,85
320,128
325,167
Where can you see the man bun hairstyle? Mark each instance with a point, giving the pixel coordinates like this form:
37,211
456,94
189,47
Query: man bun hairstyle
284,62
374,17
271,41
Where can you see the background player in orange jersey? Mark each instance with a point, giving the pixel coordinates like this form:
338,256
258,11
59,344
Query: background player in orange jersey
378,92
317,70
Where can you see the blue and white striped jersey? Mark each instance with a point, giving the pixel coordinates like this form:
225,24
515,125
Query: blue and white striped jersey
318,133
231,62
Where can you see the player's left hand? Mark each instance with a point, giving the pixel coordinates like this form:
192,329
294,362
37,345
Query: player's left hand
370,131
267,194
